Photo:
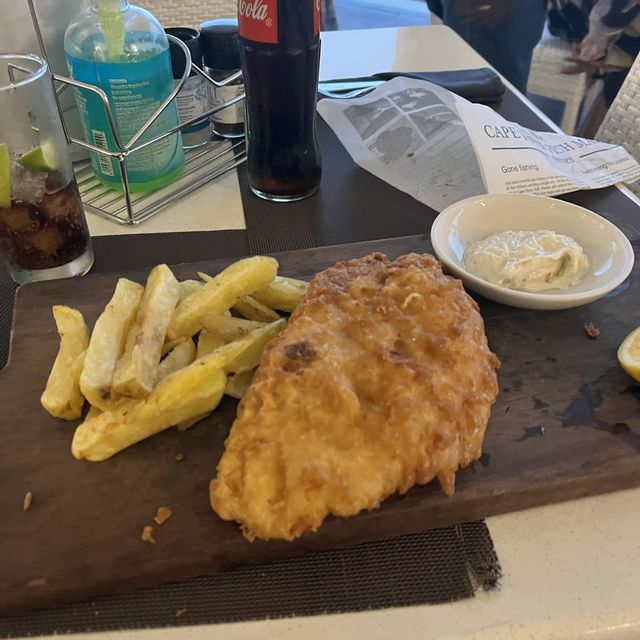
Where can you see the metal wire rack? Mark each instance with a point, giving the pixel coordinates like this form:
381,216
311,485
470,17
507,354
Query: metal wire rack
202,164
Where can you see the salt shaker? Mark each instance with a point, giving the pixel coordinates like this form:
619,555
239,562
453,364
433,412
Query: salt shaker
221,55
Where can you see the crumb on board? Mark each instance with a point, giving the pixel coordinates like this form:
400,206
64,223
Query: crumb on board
591,330
163,514
180,612
28,500
37,582
179,457
147,535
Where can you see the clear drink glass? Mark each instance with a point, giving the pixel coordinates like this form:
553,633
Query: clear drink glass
43,230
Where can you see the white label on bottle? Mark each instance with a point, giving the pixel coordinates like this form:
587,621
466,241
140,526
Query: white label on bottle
193,101
100,140
233,114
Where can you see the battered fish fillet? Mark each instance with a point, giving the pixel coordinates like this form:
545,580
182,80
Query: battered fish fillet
381,380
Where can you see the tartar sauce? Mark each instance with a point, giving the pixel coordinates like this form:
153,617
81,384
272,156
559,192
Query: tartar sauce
527,260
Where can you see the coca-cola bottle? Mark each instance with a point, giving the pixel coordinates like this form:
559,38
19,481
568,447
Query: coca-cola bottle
280,54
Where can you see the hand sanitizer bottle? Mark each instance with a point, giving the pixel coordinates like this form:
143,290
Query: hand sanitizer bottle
123,50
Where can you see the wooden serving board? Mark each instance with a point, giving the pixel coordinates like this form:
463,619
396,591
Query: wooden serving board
566,425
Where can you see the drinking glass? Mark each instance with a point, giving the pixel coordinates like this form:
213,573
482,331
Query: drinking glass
43,230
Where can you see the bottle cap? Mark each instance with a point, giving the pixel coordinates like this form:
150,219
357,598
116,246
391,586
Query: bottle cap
191,38
220,44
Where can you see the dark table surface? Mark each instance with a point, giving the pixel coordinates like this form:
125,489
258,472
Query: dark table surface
351,205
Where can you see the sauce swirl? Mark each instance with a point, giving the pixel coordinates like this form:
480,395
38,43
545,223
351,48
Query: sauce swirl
527,260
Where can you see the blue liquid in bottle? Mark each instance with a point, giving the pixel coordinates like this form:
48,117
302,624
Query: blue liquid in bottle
123,50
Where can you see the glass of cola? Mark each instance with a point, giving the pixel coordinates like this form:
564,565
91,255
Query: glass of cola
43,230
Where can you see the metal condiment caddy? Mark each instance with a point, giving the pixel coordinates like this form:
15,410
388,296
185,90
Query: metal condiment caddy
202,164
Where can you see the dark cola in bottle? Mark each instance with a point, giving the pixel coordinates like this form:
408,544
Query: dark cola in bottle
280,53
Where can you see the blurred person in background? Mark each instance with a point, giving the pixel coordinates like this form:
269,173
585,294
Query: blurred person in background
604,37
328,15
503,32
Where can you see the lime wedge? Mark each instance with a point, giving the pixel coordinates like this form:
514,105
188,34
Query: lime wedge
39,158
5,177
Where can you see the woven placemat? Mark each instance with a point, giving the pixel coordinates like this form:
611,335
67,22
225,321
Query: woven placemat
439,566
7,292
272,226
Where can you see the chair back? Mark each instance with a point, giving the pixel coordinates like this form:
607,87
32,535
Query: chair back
622,122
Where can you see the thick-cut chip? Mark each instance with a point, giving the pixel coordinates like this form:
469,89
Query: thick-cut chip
107,343
248,306
234,357
62,397
137,371
187,287
183,354
209,341
78,364
170,345
221,293
239,364
187,424
113,431
92,413
244,354
283,293
190,392
238,384
230,328
251,309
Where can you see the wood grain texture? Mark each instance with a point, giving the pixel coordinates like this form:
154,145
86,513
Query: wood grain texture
566,425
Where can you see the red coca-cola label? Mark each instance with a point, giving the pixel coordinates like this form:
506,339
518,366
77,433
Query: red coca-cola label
258,20
316,17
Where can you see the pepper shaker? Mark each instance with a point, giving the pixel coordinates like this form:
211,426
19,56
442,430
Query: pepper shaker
221,56
193,99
